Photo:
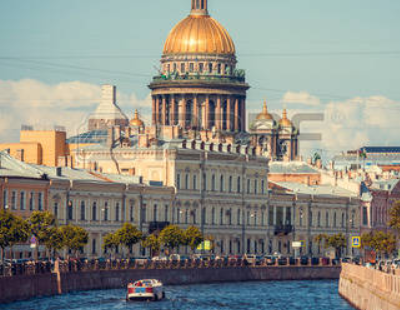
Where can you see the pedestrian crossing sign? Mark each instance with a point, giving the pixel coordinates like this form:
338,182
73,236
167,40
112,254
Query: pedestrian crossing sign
356,242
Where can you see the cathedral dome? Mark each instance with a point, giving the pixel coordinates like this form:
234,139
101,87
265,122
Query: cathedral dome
264,115
199,33
136,121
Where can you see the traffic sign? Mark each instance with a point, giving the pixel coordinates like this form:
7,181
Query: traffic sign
303,243
356,242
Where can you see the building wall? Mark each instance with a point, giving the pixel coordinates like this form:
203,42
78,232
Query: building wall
309,179
29,152
52,143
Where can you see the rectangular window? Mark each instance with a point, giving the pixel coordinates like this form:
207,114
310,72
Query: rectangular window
117,212
210,68
22,205
40,201
14,200
255,186
201,68
178,181
32,201
271,216
166,213
94,211
195,182
183,69
263,187
5,199
262,218
248,186
106,212
238,185
191,67
155,211
83,211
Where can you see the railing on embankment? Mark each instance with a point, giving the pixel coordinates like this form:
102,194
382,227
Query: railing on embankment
369,289
111,276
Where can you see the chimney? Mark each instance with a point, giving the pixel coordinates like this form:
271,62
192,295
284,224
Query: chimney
59,171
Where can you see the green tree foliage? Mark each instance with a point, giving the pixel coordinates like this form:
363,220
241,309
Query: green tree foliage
41,224
7,220
337,242
74,237
128,235
111,242
172,237
13,230
193,237
394,214
153,243
55,242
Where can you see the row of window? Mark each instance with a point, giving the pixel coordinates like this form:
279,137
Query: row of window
209,68
22,200
252,185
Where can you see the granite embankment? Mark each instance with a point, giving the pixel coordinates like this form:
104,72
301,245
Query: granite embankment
23,287
369,289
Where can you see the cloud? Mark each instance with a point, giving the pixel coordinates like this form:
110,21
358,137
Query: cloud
300,98
356,122
68,104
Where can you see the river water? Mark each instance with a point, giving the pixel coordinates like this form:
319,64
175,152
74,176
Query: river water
304,295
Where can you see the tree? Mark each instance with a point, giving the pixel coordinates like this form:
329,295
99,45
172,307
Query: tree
172,237
193,237
75,237
394,214
153,243
111,241
55,241
6,221
41,222
337,242
384,243
128,235
19,231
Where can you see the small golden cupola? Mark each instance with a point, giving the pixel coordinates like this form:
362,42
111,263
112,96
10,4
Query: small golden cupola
264,115
136,121
285,122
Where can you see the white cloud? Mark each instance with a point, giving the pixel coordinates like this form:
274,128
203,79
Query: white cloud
67,104
300,98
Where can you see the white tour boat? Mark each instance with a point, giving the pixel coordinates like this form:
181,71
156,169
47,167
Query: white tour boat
149,289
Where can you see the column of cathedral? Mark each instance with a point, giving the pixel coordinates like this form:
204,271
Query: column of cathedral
235,112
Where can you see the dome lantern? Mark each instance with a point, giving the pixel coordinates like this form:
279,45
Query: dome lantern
264,115
136,121
285,122
199,7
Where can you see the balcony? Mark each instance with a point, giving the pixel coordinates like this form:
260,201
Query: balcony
281,230
157,226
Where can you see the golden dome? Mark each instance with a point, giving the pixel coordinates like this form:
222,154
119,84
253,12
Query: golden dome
199,34
285,122
264,115
136,121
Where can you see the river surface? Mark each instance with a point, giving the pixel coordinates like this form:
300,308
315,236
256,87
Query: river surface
304,295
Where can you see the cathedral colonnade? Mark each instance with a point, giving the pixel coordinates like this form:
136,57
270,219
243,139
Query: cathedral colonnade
202,111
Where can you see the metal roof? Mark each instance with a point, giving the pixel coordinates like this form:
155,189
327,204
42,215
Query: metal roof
91,137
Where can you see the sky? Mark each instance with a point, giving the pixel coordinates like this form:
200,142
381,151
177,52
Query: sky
339,58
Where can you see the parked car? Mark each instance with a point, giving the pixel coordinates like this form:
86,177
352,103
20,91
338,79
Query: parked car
250,259
260,260
282,261
270,260
304,260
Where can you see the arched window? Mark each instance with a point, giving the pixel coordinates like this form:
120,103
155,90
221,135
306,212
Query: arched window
210,68
94,211
178,215
213,182
195,182
186,216
255,186
178,181
263,187
83,211
187,181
